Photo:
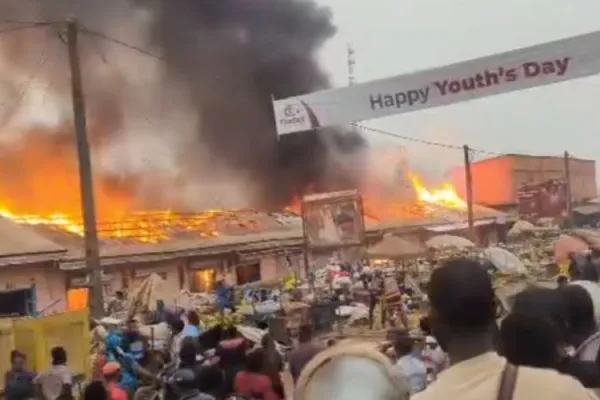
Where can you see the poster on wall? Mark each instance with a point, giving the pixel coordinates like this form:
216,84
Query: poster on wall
543,200
333,219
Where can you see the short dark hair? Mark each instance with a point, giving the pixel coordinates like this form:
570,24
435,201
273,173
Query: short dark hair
580,309
530,340
424,325
209,378
543,302
177,325
462,296
95,391
193,318
305,333
188,351
255,360
16,354
403,345
59,355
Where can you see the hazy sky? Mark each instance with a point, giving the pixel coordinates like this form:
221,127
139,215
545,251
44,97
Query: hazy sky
391,37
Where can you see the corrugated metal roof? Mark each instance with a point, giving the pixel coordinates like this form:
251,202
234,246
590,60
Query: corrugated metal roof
20,240
29,240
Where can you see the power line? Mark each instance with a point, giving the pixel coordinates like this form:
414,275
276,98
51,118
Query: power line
121,43
8,115
423,141
26,26
15,21
147,53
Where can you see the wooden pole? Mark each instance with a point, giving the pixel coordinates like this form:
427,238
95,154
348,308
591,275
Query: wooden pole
568,189
469,189
92,254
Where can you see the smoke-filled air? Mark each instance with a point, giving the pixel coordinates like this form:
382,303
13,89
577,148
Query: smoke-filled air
188,126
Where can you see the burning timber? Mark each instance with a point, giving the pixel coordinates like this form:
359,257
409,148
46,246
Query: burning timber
167,235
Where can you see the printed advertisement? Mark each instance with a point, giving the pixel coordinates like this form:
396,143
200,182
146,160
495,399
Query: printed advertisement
541,200
539,65
333,219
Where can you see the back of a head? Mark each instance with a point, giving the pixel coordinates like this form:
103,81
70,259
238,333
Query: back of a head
193,318
543,303
95,391
424,325
188,351
461,296
403,345
580,309
305,333
530,340
177,325
59,355
589,272
209,378
183,380
255,360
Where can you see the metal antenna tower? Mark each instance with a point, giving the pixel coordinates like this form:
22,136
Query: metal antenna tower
351,79
351,64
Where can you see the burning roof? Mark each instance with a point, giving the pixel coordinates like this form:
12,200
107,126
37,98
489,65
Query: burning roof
154,232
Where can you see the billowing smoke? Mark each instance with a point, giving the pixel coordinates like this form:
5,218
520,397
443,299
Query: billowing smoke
194,128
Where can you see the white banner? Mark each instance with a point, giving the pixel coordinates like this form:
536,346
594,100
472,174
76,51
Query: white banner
525,68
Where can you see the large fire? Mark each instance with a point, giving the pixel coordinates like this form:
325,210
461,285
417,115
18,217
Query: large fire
154,227
444,195
39,186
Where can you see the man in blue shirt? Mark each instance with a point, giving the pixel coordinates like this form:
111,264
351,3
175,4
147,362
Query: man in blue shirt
192,328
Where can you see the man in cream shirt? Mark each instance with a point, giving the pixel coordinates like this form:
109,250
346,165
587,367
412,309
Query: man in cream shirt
463,319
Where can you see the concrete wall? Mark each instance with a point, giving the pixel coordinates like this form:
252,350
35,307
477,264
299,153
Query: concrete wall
541,169
497,180
49,281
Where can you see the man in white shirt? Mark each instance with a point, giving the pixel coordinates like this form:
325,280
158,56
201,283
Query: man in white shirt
463,319
57,381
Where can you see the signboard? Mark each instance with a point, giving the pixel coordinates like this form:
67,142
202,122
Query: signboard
539,65
333,219
541,200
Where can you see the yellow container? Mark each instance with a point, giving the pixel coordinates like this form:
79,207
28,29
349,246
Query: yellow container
71,330
6,342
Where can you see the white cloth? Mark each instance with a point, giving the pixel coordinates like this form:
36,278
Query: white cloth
415,372
53,380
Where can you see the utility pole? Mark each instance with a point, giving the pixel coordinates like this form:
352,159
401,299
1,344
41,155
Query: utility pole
92,254
351,61
568,189
469,187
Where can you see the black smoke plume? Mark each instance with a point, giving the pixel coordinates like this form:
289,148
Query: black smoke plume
208,101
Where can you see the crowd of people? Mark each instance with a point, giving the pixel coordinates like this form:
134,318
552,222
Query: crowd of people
546,347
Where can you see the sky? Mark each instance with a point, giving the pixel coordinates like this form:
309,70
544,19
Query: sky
392,37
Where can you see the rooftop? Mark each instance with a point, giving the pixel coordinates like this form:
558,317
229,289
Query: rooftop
155,236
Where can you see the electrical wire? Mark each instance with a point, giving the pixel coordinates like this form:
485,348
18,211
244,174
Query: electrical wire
9,114
120,43
26,26
472,151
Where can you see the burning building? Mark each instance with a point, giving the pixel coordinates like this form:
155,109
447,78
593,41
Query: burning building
190,250
190,128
